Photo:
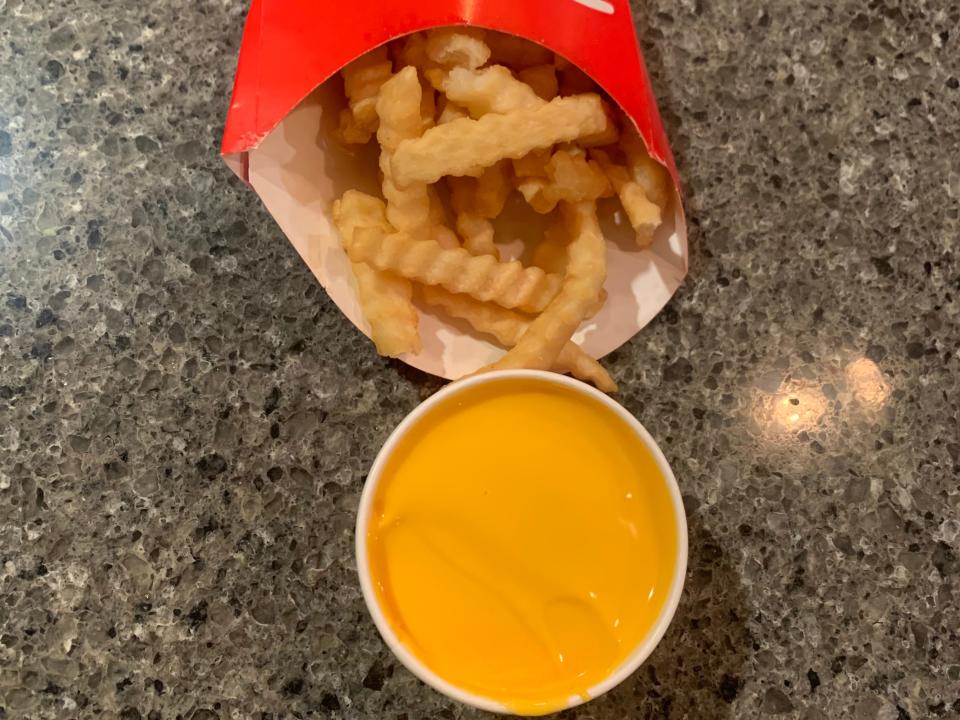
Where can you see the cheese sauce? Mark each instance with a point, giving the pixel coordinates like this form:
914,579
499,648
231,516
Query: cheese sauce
522,542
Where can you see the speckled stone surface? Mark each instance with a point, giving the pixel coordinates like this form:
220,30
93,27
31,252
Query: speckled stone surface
186,421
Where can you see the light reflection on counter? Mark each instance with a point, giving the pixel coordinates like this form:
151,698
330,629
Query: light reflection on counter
800,405
797,405
867,383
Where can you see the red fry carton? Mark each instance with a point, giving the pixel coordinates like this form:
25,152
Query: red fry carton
286,100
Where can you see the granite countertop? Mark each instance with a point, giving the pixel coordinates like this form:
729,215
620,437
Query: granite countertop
186,420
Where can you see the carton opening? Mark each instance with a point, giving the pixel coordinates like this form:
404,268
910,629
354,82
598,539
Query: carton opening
302,166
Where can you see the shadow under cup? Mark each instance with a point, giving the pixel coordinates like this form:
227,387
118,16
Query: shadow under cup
459,394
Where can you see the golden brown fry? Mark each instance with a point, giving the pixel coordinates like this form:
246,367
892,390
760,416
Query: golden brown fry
435,76
597,306
385,299
534,191
357,209
505,326
444,237
570,177
492,89
483,277
457,47
477,234
399,108
415,208
550,254
508,326
574,178
412,50
644,216
438,231
586,272
608,136
386,303
362,80
349,131
493,187
515,51
533,164
435,52
543,80
645,171
476,201
484,195
459,147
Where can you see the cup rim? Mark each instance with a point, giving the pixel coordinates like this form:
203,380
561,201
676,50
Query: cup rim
642,650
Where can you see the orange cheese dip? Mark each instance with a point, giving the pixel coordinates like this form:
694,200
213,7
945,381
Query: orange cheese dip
522,542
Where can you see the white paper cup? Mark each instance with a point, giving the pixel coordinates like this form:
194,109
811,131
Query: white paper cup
412,663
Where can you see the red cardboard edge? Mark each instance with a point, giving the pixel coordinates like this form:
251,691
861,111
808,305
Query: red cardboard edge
247,124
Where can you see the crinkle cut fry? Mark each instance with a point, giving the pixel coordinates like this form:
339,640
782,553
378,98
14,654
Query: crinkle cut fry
362,80
644,215
477,201
647,172
398,106
461,146
586,271
483,277
491,89
457,47
386,300
569,176
477,233
508,326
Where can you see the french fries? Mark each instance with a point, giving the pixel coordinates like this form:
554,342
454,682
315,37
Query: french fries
460,146
608,136
644,215
362,80
384,299
399,109
457,47
567,176
477,233
646,171
491,90
477,201
508,326
484,195
489,113
540,345
483,277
